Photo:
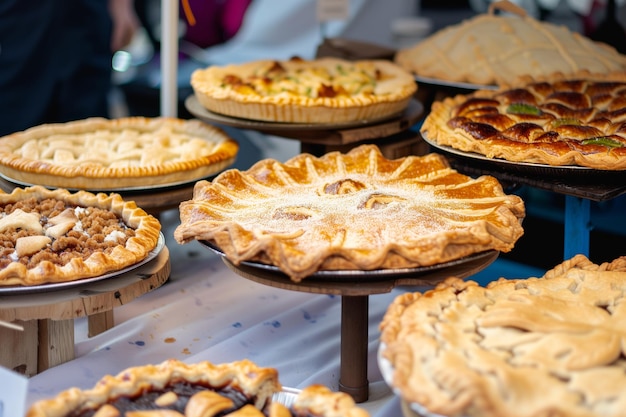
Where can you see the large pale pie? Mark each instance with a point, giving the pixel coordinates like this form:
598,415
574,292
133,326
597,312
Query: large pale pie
176,389
318,91
113,154
54,236
559,122
351,211
548,346
499,48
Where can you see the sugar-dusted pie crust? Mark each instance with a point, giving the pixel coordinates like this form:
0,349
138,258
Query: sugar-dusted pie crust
323,90
557,121
554,345
353,211
496,49
176,389
52,236
111,154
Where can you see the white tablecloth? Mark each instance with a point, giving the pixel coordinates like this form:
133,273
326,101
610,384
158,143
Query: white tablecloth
207,312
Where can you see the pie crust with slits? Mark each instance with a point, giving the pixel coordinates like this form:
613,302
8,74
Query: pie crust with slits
548,346
318,91
176,389
557,122
498,49
112,154
54,236
352,211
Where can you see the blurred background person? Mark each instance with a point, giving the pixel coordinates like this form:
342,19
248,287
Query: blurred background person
55,58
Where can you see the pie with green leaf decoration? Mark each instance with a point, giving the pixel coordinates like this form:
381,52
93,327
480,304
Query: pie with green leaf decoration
557,122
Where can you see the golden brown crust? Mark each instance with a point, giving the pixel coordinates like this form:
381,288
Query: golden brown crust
517,348
214,395
143,238
324,90
497,49
311,214
102,154
256,383
556,121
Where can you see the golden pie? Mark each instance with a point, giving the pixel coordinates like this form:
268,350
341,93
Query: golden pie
497,49
554,345
323,90
559,122
352,211
176,389
53,236
111,154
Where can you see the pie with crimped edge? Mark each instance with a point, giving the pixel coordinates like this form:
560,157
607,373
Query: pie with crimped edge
559,122
498,49
112,154
554,345
176,389
54,236
352,211
318,91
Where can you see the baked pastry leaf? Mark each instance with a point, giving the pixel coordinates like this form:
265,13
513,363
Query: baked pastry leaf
556,121
497,49
317,91
113,154
553,345
52,236
351,211
176,389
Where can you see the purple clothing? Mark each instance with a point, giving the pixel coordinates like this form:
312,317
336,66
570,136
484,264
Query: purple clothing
215,21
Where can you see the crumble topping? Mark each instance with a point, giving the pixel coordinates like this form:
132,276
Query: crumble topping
32,231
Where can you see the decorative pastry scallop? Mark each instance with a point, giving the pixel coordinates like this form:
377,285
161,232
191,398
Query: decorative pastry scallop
102,154
352,211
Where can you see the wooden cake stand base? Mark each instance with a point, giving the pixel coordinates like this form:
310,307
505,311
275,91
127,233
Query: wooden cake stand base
48,316
355,291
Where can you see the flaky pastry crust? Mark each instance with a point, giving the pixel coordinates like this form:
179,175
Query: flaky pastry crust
497,49
110,154
557,122
93,261
318,91
353,211
554,345
239,388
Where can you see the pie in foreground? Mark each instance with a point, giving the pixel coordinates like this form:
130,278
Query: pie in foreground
548,346
317,91
112,154
352,211
558,122
54,236
176,389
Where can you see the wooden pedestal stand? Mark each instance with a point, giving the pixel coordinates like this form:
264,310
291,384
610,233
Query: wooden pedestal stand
48,317
355,290
393,136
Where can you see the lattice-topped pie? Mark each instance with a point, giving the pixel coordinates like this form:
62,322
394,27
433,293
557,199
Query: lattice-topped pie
352,211
323,90
497,49
559,122
549,346
176,389
53,236
102,154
